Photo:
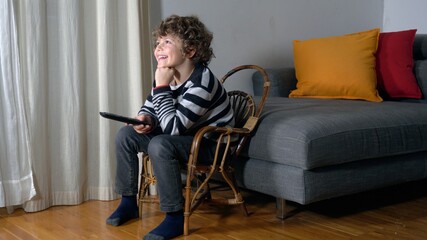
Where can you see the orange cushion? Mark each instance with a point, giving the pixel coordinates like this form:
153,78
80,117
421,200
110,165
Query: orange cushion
337,67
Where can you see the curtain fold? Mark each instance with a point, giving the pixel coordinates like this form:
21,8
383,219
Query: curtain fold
77,58
16,179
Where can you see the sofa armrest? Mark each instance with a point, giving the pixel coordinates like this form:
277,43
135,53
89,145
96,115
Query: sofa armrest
282,82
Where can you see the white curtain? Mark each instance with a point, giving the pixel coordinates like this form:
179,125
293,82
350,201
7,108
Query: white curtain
61,63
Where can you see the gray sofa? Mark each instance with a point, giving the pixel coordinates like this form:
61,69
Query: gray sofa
307,150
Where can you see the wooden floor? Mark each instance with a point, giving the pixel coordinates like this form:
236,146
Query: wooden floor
393,213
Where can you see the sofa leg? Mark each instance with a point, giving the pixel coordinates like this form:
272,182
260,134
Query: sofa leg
280,208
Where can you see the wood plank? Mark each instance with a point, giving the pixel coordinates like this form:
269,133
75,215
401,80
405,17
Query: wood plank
395,213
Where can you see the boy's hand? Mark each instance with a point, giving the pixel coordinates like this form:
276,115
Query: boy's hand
164,75
143,128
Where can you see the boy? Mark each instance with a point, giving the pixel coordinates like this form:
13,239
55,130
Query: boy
185,97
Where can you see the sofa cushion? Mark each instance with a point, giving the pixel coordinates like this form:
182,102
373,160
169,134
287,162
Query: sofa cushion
421,74
420,56
312,133
420,47
395,64
337,67
282,82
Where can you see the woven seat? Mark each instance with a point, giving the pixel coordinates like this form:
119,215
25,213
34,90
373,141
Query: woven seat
230,142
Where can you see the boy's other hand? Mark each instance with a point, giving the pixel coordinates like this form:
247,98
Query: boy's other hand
164,75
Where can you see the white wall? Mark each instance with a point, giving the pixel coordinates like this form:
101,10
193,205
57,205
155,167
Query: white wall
261,31
402,15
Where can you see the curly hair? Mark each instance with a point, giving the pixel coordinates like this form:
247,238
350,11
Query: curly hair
192,32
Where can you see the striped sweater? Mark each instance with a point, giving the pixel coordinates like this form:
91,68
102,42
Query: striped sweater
183,109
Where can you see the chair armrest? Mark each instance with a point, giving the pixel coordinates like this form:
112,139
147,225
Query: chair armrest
227,135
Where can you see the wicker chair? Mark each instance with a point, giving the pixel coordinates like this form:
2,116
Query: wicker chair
246,114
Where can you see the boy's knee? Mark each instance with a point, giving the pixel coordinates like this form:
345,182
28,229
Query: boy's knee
123,134
159,145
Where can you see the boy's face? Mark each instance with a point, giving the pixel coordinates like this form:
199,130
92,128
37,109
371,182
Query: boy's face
168,52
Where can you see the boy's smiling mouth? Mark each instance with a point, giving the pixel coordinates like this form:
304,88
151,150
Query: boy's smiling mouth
161,57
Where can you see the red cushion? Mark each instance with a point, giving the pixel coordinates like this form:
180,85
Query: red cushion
394,65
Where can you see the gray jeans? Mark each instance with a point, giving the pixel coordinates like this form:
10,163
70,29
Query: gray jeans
167,154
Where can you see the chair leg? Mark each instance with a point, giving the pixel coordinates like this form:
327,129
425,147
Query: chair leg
238,199
187,206
192,201
202,193
244,209
146,180
141,192
186,223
